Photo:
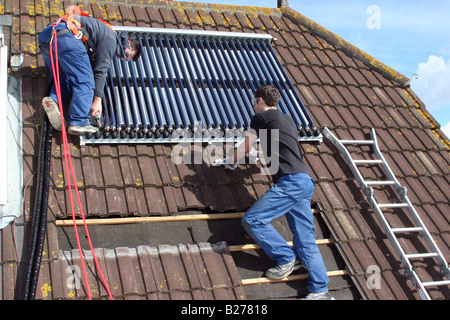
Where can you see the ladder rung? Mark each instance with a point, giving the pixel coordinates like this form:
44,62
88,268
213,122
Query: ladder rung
380,183
367,161
415,229
421,255
393,205
436,283
356,141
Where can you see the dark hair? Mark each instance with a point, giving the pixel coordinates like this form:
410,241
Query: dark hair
135,45
270,95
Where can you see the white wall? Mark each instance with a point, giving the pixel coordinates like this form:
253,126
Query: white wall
11,159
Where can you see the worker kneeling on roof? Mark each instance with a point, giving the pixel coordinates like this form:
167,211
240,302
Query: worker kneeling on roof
86,47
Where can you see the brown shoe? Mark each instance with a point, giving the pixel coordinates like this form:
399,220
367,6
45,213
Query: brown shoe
52,110
80,130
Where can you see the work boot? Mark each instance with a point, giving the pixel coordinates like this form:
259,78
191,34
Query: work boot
318,296
298,264
281,271
81,130
51,109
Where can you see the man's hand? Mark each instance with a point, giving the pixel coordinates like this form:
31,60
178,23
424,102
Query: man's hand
243,149
225,162
96,107
253,156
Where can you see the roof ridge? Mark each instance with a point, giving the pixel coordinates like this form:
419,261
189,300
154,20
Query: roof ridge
347,47
227,7
196,6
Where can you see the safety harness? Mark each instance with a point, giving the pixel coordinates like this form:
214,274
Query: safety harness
73,26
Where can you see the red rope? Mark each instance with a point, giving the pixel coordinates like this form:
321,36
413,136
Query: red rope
71,173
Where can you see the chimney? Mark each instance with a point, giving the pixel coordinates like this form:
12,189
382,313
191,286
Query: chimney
283,3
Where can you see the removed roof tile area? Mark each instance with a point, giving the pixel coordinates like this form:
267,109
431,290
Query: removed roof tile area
342,91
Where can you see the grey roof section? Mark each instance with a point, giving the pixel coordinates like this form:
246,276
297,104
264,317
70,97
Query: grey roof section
182,272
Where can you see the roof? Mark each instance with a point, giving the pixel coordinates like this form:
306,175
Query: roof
343,89
183,272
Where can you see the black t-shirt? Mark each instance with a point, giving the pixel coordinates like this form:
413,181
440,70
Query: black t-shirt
287,151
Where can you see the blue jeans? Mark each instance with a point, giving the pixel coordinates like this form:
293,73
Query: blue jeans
76,75
290,196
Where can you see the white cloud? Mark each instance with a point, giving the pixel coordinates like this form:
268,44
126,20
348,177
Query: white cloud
446,129
433,84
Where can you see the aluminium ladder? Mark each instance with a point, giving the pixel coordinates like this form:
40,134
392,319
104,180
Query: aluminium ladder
391,232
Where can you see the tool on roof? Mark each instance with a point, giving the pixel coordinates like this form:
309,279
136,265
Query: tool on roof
391,232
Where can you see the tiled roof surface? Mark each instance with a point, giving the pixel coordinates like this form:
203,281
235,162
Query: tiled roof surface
343,89
184,272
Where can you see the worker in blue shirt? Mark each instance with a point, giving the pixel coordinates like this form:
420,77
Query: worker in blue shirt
290,195
83,67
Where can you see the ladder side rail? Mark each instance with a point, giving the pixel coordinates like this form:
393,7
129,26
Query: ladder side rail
390,234
348,159
410,274
384,164
417,283
445,270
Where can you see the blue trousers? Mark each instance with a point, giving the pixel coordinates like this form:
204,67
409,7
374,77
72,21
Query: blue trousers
76,75
290,196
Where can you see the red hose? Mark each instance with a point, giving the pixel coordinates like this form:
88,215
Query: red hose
70,172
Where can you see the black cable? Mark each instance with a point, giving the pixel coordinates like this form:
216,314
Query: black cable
46,153
39,223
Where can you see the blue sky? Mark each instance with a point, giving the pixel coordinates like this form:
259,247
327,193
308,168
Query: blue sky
410,36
